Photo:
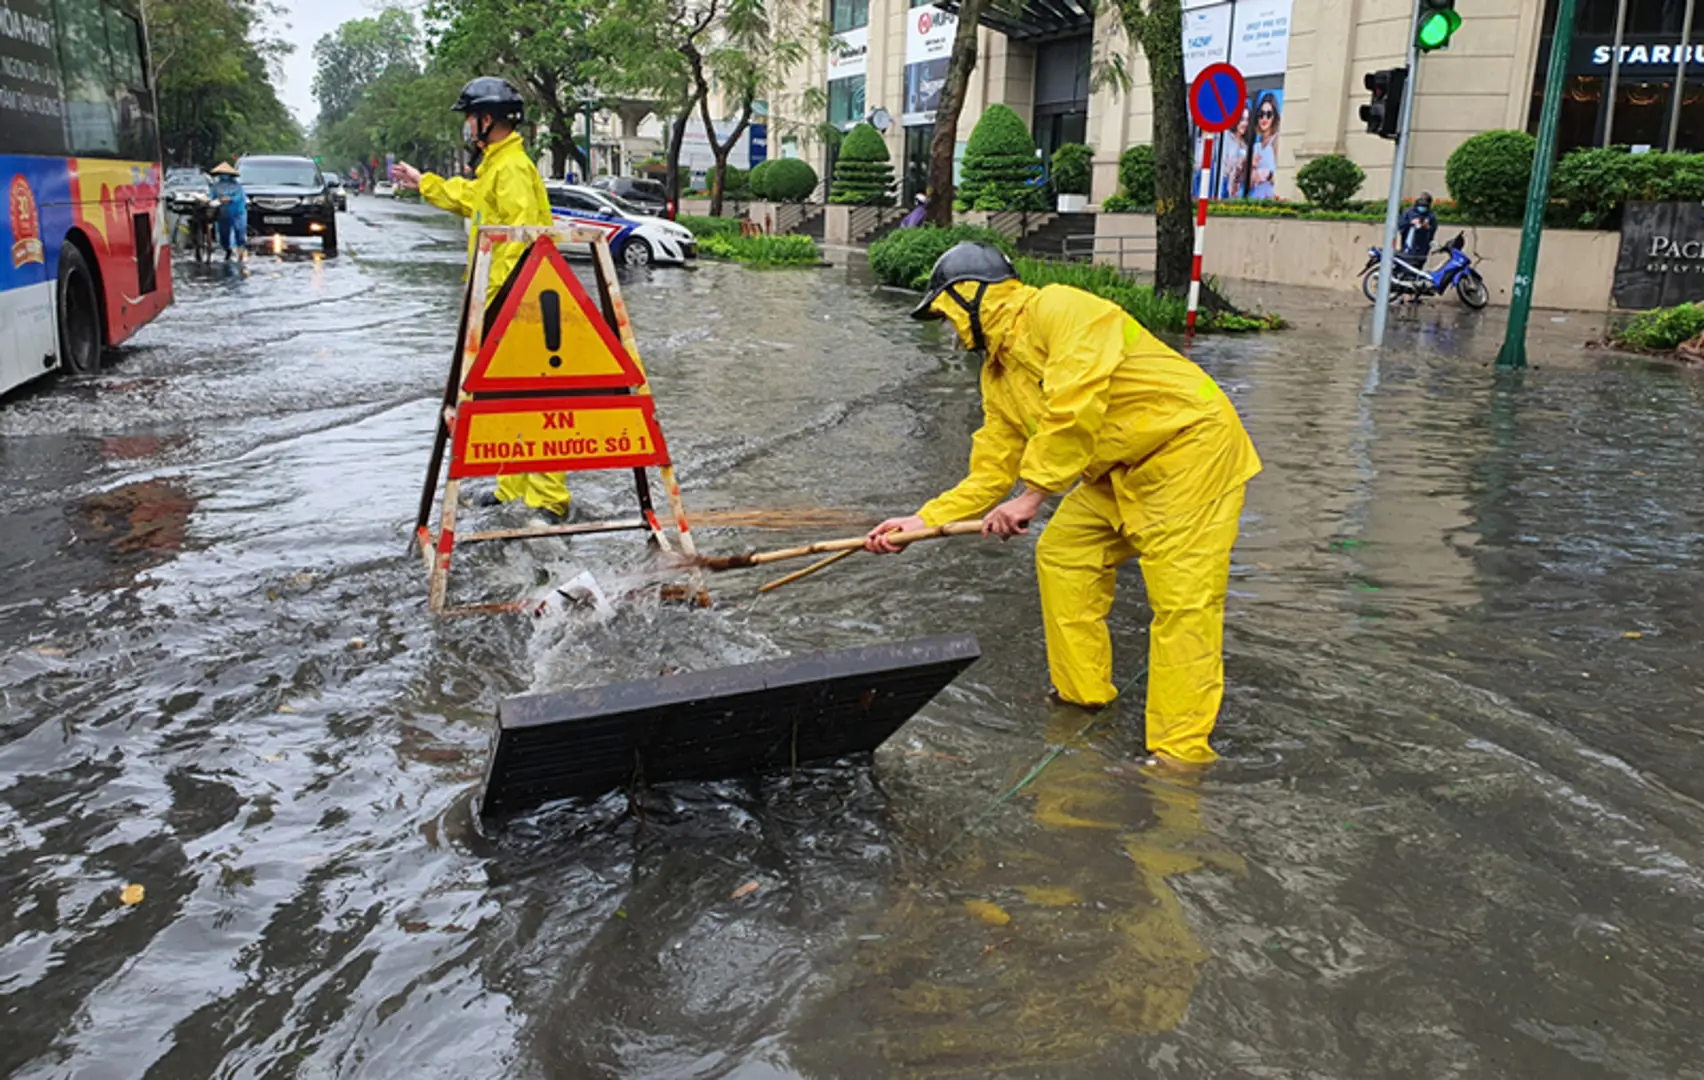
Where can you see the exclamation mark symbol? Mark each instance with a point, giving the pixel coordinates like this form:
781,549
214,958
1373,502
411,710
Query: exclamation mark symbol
550,305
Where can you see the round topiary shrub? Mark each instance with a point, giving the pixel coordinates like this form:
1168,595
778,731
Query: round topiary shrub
788,180
1488,175
863,173
757,181
1330,181
1071,168
1000,168
1136,176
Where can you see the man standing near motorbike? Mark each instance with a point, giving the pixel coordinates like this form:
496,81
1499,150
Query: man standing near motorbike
1417,228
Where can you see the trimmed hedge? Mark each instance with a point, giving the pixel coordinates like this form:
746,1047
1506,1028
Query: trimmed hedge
782,250
702,227
1330,181
1488,176
1000,167
1590,187
904,257
1071,168
783,180
863,173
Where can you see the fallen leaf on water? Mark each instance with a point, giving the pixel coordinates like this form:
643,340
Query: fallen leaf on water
1052,895
744,890
49,650
357,643
1632,635
1263,566
992,914
286,708
273,757
131,895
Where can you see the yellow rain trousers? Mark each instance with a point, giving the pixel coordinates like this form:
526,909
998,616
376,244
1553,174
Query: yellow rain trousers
1076,392
506,190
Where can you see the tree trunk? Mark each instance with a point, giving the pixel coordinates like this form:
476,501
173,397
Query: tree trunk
1174,158
672,178
960,63
721,150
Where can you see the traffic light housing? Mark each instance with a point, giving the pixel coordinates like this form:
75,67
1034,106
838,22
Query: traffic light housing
1438,21
1383,113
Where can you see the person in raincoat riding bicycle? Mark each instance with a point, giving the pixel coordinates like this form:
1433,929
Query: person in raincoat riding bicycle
1080,400
506,189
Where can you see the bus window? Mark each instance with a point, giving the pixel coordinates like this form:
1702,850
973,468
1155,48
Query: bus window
136,139
91,112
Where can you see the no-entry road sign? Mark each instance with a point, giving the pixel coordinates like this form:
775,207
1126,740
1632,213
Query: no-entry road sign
1216,98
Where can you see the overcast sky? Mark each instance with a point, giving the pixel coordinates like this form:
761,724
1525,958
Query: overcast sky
307,22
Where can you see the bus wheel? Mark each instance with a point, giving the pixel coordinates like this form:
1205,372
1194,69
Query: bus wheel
79,314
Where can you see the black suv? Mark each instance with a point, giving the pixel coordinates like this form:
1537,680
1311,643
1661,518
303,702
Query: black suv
649,195
288,196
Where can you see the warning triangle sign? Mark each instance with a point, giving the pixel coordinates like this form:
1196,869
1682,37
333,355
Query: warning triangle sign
548,335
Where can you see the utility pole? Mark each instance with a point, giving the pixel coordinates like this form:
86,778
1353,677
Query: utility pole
1381,306
1513,354
1614,73
1680,75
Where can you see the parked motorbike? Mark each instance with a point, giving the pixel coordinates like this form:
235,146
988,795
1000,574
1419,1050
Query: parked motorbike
196,215
1416,282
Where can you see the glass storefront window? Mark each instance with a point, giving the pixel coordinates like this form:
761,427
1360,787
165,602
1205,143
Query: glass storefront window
848,14
846,101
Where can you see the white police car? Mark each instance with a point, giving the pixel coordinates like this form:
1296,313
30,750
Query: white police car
635,237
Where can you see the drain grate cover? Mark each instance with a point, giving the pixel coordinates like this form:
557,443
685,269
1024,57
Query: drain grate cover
712,725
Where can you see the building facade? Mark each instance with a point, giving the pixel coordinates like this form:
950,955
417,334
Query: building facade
1304,61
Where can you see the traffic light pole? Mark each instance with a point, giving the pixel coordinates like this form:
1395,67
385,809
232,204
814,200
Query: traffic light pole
1513,354
1381,306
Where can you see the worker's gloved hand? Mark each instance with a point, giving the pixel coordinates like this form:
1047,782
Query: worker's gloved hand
1012,517
405,175
877,540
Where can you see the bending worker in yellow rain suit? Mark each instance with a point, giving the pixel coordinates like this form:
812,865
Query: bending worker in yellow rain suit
506,190
1075,391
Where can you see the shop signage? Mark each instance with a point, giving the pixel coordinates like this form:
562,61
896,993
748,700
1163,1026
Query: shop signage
1252,34
849,54
1662,255
928,43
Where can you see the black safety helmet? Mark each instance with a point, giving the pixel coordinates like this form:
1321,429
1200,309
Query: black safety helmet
493,97
1424,202
966,261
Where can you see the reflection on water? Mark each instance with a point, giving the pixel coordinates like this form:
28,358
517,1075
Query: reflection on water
1454,832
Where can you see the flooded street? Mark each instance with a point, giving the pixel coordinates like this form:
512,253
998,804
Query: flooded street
1458,830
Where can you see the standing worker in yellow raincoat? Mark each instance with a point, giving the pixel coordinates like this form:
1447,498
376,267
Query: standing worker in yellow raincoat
506,190
1076,392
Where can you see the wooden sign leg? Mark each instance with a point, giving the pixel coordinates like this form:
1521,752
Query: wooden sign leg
617,308
452,385
473,327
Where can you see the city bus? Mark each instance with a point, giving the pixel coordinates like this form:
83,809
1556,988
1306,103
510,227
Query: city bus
84,259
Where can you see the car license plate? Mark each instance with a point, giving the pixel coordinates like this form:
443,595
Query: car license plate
271,219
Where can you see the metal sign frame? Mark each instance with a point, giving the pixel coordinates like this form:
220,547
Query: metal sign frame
437,547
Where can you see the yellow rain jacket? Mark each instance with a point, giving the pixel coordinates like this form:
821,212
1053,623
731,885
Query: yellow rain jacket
1076,392
506,190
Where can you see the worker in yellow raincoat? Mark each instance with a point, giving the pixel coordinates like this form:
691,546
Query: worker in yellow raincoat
1076,392
506,190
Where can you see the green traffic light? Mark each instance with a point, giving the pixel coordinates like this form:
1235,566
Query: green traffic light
1436,28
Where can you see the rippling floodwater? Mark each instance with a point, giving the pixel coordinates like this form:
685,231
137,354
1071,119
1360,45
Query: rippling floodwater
1456,832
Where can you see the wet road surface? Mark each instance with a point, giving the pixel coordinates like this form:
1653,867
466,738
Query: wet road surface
1456,832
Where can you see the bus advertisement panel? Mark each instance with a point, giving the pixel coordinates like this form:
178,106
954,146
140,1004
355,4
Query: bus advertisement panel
84,260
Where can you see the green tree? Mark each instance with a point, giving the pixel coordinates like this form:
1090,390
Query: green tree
555,51
359,53
960,63
863,173
214,81
1156,27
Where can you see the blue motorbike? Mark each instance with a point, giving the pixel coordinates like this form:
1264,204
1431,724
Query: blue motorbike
1415,282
